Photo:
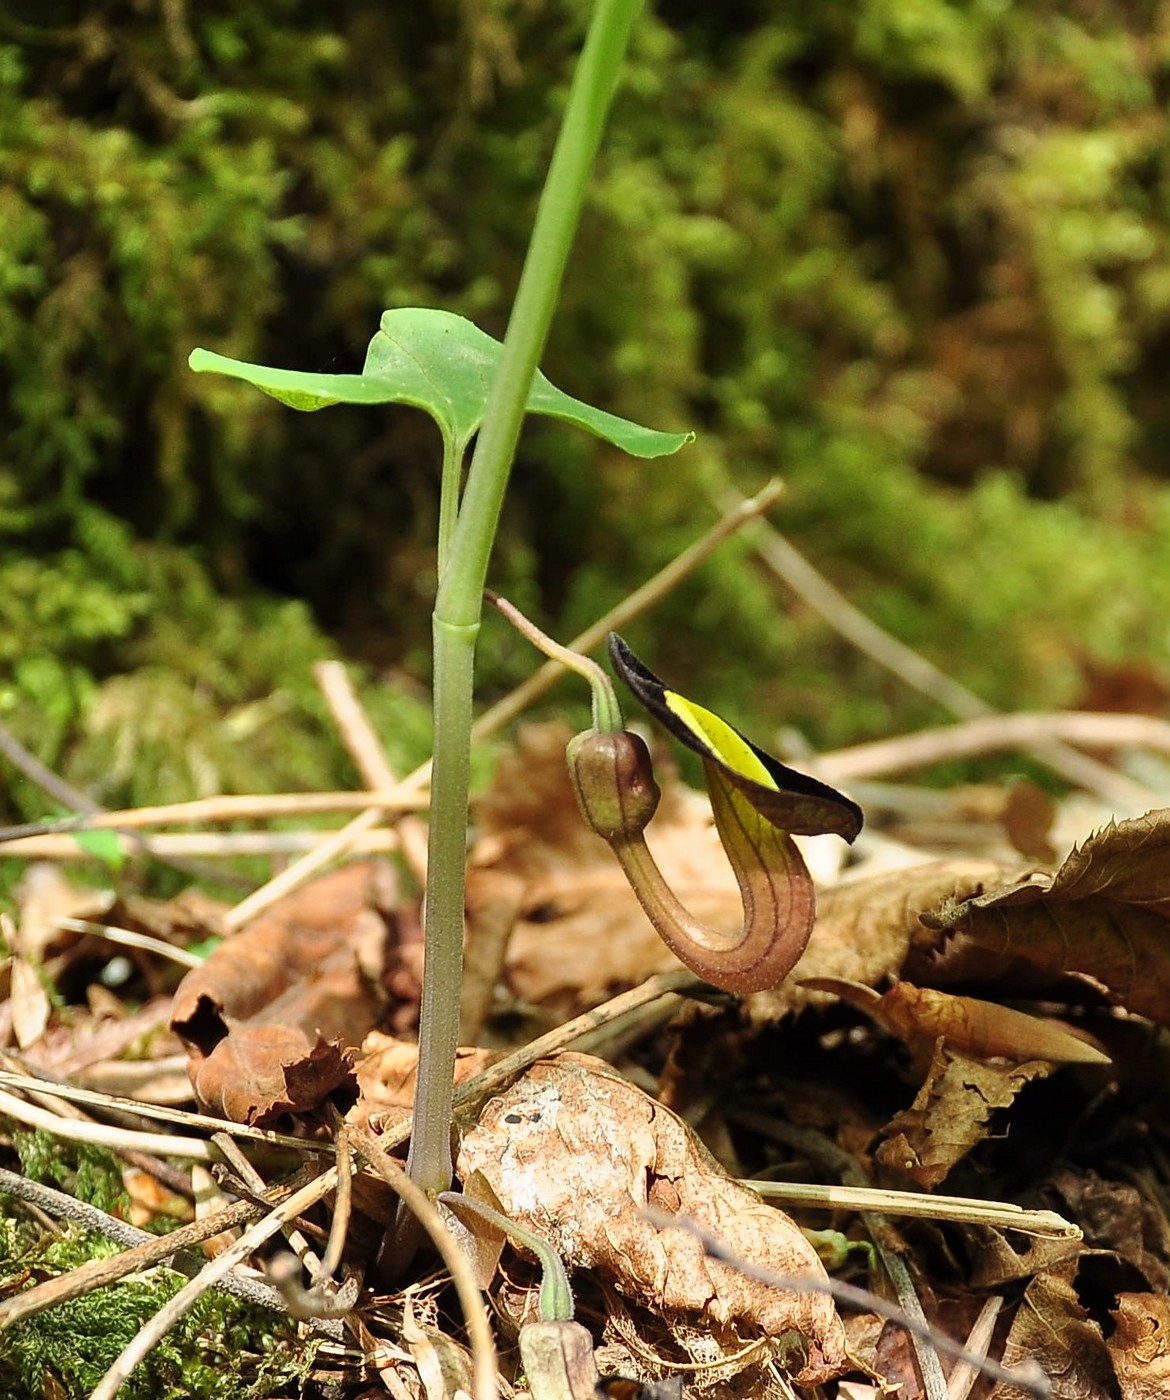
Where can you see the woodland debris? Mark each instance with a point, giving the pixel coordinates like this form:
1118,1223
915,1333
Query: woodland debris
575,1153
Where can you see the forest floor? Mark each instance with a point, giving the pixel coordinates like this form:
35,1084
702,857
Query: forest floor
951,1115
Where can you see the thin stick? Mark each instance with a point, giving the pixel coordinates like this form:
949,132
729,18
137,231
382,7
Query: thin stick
69,796
1027,1377
145,1251
741,513
210,810
226,846
992,732
483,1352
964,1375
809,584
117,1139
234,1156
209,1276
324,853
342,1207
365,748
112,1103
922,1339
129,938
353,724
651,592
845,1166
1003,1215
497,1077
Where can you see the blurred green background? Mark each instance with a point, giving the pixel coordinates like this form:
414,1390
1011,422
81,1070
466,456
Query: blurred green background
913,256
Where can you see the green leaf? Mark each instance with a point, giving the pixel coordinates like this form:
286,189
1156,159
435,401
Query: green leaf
103,845
739,774
443,364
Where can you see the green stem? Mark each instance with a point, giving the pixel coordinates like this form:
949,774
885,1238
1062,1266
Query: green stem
459,601
607,714
449,498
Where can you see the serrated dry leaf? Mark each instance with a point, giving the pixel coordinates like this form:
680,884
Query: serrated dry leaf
575,1153
865,928
267,1017
1140,1346
1052,1328
1105,915
950,1114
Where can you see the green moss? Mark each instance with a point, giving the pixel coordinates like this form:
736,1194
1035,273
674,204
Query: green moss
914,257
222,1349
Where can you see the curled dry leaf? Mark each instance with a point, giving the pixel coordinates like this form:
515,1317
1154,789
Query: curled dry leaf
951,1113
575,1153
1140,1346
267,1017
980,1029
1105,915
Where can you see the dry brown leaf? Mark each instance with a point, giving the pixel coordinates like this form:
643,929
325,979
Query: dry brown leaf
268,1015
950,1114
575,1153
996,1261
865,928
1140,1346
1105,915
1052,1328
981,1029
45,898
387,1070
88,1040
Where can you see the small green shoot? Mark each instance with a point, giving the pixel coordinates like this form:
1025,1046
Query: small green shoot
556,1297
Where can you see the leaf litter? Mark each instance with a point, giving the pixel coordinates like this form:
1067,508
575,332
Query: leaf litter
964,1019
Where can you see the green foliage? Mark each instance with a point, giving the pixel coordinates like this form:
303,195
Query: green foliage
221,1348
444,365
913,256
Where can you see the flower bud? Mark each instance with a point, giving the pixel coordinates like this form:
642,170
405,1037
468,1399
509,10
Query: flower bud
614,782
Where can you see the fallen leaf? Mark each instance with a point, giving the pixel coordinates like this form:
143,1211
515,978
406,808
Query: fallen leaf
45,897
386,1070
267,1017
951,1114
979,1029
1115,1216
575,1153
1104,915
1052,1328
1140,1346
865,928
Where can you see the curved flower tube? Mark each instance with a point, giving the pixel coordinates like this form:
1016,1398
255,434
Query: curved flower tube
757,804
